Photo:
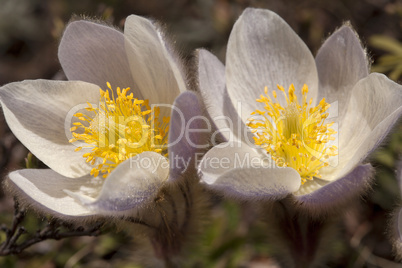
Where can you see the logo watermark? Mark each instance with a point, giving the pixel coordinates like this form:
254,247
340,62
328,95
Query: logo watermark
185,133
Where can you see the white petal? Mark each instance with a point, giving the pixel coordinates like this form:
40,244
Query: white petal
341,63
212,84
310,186
95,53
241,172
365,147
132,185
258,183
44,190
36,112
330,196
374,108
188,134
264,51
227,156
153,68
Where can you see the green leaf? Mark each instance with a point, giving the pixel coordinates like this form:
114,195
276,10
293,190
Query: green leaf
386,43
390,60
396,73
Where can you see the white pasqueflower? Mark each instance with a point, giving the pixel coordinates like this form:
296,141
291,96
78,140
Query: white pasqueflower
296,148
38,112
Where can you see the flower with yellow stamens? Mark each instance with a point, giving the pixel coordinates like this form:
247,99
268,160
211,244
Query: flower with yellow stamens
296,135
307,142
120,128
105,149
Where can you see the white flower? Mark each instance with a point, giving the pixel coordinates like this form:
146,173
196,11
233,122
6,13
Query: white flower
91,55
263,52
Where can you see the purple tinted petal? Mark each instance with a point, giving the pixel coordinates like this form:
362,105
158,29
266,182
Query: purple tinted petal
338,193
188,134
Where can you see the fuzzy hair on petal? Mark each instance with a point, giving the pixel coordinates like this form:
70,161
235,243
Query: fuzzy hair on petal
332,197
155,73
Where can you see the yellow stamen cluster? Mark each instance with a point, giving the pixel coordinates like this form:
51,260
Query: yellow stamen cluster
118,129
296,135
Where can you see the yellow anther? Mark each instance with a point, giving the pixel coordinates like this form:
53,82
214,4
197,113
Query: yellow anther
296,135
118,129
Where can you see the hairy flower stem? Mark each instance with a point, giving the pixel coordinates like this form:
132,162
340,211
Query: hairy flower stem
301,241
179,208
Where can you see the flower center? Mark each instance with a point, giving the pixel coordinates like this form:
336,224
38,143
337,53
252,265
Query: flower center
295,136
120,128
